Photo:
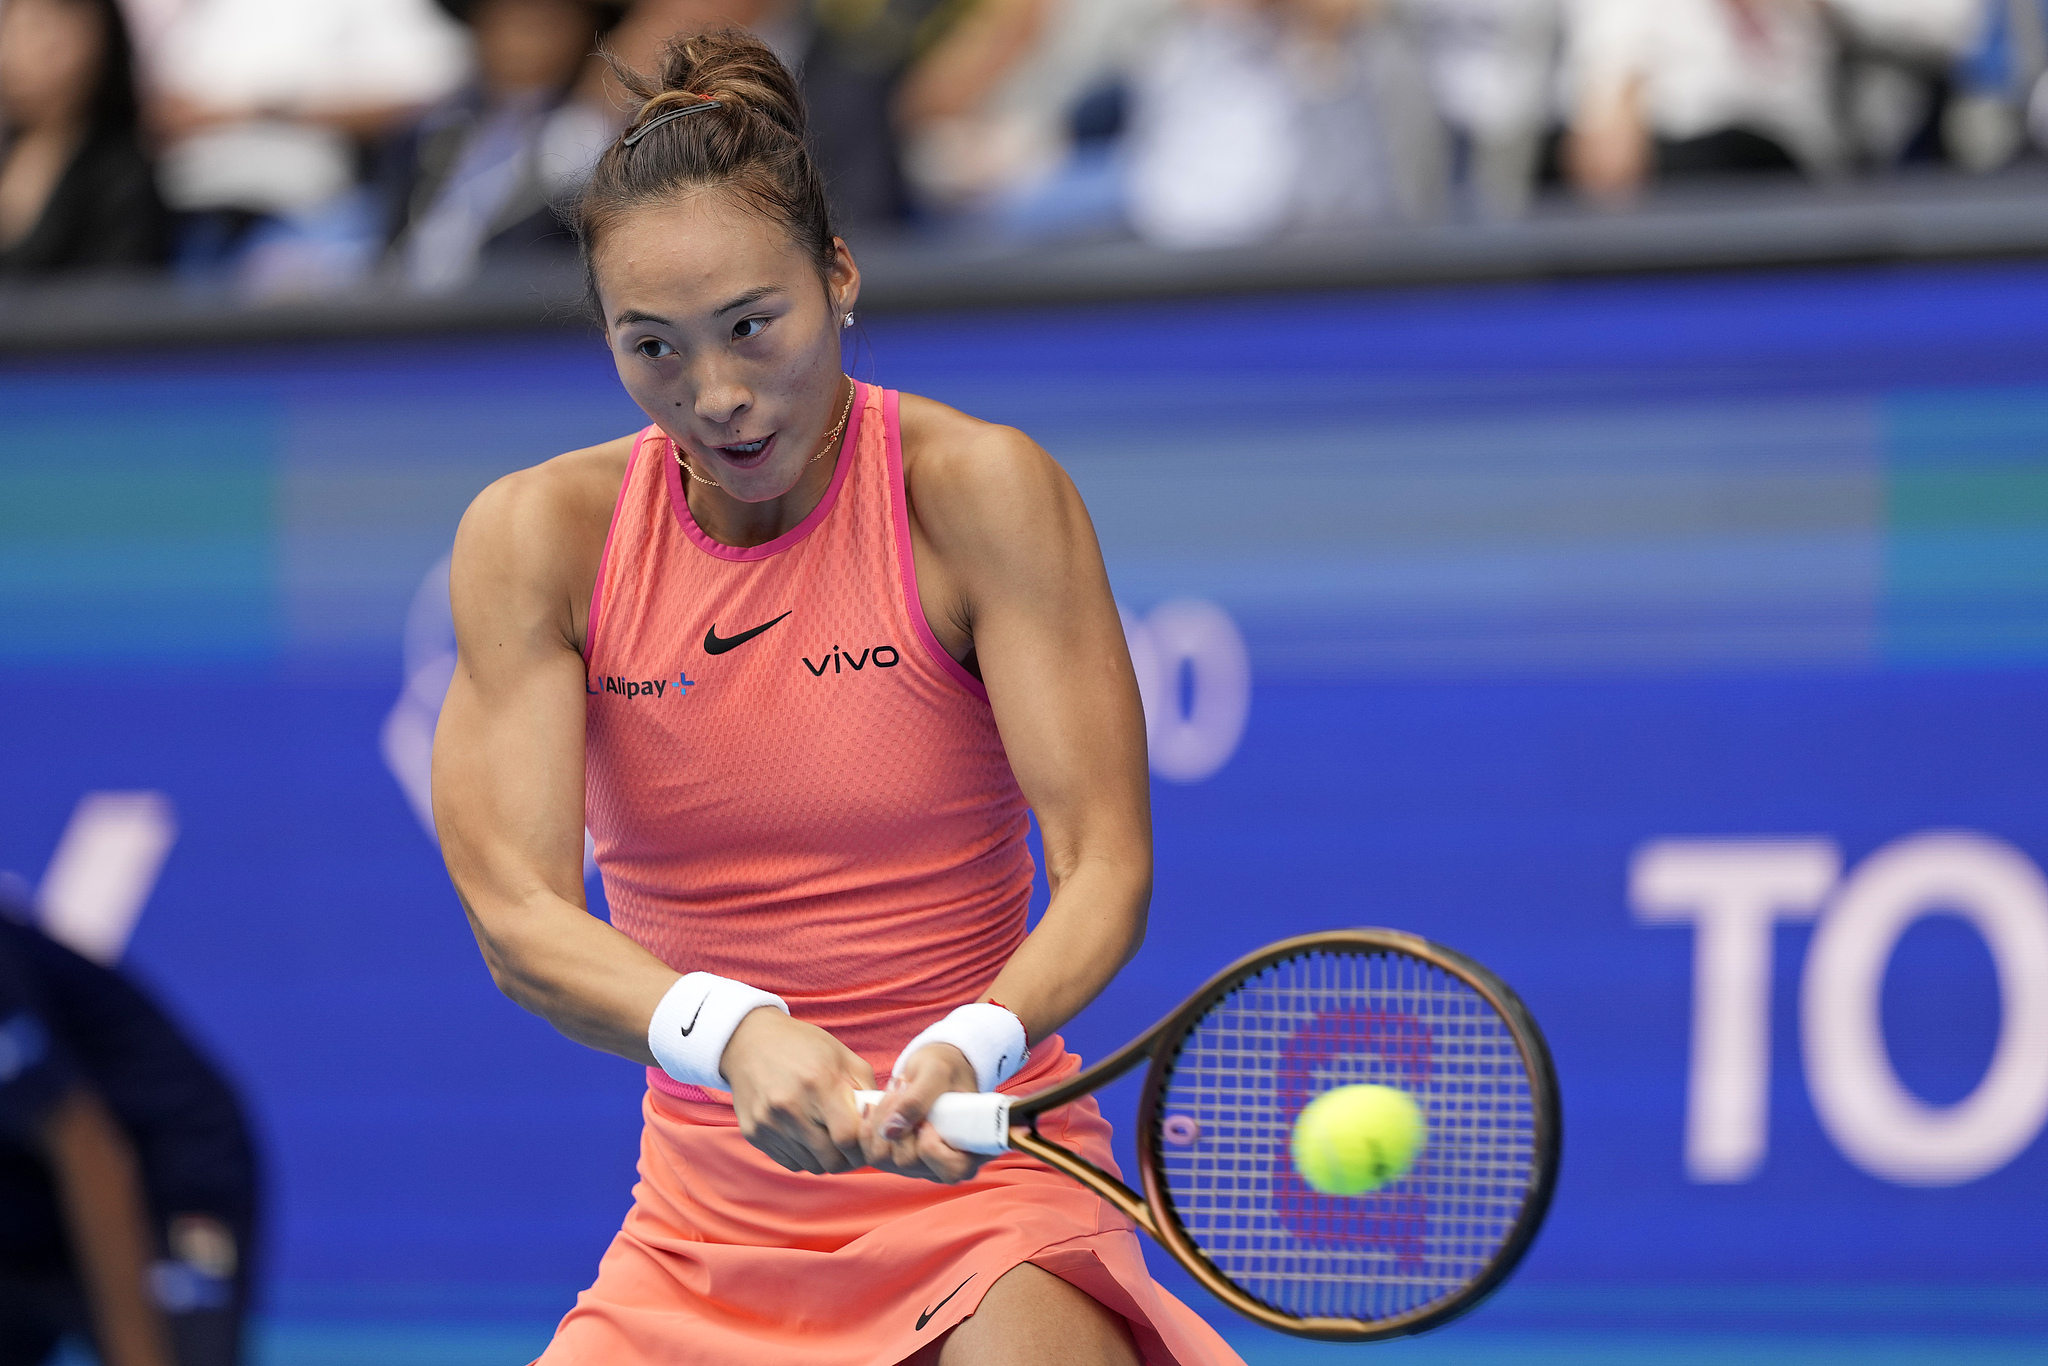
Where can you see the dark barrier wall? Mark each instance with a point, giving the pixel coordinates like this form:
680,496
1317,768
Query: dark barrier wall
1678,648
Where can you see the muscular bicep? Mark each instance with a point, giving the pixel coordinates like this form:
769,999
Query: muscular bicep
508,753
1052,653
508,756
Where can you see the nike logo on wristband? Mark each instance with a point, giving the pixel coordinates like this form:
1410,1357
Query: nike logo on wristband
693,1019
926,1316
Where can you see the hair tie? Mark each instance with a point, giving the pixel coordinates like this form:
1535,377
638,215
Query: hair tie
644,129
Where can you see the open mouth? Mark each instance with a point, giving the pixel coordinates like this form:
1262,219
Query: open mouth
747,454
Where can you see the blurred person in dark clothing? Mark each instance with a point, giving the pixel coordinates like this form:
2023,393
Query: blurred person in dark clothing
1898,73
76,191
128,1195
852,68
850,58
475,179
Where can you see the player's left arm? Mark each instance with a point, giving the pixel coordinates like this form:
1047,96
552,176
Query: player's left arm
1020,576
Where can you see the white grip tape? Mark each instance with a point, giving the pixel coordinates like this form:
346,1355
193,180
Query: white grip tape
696,1020
970,1122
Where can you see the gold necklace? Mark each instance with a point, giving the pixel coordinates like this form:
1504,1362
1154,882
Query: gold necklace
831,441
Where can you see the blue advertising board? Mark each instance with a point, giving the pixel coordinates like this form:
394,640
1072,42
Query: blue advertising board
1679,649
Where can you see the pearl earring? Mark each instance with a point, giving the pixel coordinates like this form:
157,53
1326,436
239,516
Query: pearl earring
846,321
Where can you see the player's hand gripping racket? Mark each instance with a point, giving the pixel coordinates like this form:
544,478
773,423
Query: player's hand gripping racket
1233,1068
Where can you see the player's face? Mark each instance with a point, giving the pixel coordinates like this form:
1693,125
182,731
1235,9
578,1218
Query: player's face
725,335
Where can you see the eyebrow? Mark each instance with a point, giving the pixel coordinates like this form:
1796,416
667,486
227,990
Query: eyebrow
752,296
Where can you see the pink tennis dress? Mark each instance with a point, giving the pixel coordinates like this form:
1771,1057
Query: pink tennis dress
791,783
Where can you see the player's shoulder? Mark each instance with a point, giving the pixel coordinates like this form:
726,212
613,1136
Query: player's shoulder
959,465
562,499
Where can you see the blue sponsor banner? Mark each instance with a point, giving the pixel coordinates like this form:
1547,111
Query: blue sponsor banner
1678,649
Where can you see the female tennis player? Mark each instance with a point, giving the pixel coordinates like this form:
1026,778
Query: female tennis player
801,654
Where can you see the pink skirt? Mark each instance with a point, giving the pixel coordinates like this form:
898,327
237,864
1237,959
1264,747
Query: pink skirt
727,1258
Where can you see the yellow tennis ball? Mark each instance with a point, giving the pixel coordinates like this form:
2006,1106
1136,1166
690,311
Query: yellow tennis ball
1356,1139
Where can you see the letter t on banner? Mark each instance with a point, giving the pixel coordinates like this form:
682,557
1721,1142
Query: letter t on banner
1731,892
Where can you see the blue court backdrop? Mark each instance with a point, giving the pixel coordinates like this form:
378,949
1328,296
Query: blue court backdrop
1678,648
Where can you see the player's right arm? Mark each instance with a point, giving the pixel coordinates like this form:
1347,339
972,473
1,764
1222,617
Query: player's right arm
508,806
508,756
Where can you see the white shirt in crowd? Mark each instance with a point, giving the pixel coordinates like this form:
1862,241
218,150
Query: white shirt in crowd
287,57
1243,129
1704,66
1491,62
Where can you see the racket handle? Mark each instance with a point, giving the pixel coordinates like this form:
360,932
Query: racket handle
969,1121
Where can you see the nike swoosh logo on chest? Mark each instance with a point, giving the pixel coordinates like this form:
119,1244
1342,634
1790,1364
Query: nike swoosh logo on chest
713,645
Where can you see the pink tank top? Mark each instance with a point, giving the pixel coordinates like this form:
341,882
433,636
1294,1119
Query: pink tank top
788,780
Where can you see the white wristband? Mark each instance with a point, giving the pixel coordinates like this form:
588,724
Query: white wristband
990,1036
695,1021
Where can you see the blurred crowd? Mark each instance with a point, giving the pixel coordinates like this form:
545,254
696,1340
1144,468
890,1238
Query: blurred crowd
313,145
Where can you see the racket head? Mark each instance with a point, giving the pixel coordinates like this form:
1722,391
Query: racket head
1234,1067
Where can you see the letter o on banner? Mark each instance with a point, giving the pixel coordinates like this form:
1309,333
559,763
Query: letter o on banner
1190,744
1877,1123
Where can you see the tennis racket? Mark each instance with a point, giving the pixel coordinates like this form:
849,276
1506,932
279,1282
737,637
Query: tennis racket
1232,1068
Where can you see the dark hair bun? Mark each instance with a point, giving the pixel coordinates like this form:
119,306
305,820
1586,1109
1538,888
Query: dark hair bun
729,65
753,145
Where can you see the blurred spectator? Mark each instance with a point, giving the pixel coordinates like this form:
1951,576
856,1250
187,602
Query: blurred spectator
1896,74
1691,87
265,108
782,24
2001,86
1011,118
1933,25
76,191
1257,117
849,57
127,1178
477,177
1492,67
856,58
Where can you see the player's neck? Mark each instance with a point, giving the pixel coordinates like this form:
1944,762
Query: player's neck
730,521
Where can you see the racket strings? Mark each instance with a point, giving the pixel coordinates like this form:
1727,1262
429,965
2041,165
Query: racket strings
1303,1027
